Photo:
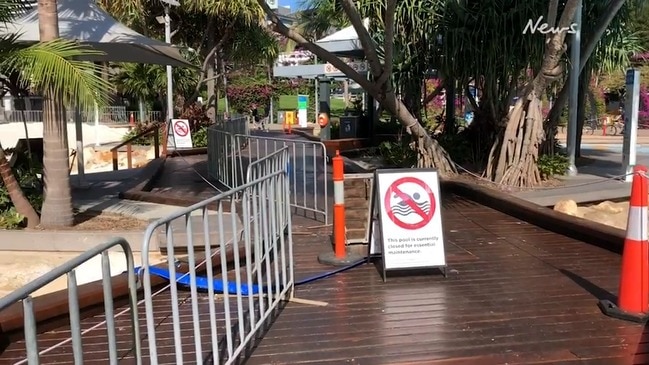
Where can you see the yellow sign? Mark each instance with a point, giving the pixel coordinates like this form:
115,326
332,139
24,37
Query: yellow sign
289,117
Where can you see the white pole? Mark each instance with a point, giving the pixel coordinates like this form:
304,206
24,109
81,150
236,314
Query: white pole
170,98
575,50
81,172
97,142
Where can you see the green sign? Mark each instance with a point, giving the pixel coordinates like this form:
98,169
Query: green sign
302,101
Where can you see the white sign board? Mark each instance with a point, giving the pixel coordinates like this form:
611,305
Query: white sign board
182,134
631,108
358,66
410,219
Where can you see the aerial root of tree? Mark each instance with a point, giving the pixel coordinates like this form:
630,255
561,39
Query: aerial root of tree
517,150
431,155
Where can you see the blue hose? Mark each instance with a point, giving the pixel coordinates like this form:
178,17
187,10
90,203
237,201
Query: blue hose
202,281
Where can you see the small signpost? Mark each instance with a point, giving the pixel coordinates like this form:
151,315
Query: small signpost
181,133
409,230
302,106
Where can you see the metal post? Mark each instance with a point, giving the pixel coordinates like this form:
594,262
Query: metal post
78,124
324,99
97,142
170,98
575,50
631,107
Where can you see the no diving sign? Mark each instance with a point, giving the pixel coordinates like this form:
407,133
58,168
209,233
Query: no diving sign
181,133
410,220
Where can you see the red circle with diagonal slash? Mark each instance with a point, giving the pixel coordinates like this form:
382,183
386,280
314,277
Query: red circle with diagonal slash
181,128
396,190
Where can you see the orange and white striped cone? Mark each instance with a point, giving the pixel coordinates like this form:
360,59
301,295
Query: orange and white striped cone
633,295
341,256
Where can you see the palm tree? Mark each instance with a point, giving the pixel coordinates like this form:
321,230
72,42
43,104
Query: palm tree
50,67
18,198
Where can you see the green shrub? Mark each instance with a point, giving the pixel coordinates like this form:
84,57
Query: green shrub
457,146
552,165
32,188
398,154
199,138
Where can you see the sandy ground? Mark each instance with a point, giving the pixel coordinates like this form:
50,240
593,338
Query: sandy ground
19,268
10,133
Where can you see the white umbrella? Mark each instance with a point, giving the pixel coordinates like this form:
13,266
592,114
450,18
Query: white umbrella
86,22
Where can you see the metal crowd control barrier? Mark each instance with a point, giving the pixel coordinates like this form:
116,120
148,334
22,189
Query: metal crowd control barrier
256,234
24,295
221,164
307,164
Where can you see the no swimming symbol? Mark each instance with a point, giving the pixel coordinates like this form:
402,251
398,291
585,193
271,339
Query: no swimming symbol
410,203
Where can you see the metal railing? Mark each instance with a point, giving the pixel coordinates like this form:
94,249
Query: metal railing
153,130
307,169
107,116
256,233
230,153
25,293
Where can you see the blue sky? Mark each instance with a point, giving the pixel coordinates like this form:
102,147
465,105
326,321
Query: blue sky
294,4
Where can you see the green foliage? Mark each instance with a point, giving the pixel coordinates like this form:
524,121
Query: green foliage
457,146
199,138
32,188
390,127
552,165
398,154
139,128
55,66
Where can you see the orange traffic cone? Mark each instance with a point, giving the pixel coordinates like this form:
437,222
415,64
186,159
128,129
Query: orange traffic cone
633,296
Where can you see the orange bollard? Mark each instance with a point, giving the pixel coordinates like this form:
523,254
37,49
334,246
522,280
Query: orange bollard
339,205
340,256
633,296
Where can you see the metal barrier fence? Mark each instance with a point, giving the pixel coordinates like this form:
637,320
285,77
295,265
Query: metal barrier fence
229,154
221,164
307,164
256,234
108,116
24,295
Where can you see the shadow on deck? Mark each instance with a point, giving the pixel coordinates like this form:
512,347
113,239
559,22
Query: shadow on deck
516,294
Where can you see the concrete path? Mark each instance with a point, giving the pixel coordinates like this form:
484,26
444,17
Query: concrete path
10,133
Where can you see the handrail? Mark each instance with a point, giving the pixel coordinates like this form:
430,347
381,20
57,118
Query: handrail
129,150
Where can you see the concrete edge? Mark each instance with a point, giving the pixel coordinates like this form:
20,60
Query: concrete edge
308,134
609,238
67,241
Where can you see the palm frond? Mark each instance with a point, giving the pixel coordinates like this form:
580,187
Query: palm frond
54,66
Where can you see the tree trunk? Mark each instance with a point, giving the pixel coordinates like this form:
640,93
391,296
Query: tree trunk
23,206
431,154
346,92
513,158
57,205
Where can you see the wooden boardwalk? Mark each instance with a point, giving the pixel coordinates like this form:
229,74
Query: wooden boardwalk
516,294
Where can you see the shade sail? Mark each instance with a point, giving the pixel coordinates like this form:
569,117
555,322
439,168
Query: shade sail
86,22
344,42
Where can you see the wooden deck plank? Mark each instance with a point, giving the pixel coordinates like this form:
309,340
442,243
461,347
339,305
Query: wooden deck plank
516,294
